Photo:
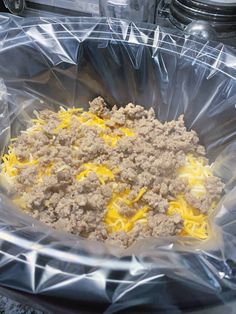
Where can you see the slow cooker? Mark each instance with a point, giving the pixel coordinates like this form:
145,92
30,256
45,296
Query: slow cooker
52,61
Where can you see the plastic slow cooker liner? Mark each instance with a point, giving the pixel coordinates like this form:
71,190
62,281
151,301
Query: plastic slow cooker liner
49,62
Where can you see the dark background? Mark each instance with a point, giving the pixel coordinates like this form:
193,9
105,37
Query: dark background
2,7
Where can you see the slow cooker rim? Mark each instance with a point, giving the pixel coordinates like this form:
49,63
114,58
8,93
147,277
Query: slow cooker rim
203,43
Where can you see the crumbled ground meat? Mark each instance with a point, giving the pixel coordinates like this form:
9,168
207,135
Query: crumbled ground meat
149,160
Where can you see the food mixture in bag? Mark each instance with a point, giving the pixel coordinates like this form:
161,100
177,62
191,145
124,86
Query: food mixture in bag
113,175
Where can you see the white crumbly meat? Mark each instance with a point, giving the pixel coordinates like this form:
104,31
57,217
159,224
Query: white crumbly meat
149,159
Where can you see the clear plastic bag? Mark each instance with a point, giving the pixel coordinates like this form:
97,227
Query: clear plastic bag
48,62
134,10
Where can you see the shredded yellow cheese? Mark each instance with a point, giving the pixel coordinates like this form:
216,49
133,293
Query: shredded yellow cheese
117,222
103,173
114,220
19,201
127,131
65,116
111,139
37,125
11,164
196,173
45,171
195,223
86,118
91,119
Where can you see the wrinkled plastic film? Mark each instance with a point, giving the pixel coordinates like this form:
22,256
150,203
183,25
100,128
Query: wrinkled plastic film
69,61
134,10
4,114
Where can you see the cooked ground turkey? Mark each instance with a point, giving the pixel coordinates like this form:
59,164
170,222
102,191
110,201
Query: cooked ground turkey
149,160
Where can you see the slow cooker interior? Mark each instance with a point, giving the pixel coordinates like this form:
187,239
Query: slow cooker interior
173,75
68,73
